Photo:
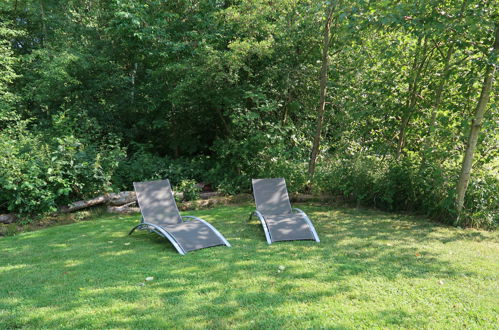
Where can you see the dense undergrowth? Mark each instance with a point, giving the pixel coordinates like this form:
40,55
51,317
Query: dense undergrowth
39,174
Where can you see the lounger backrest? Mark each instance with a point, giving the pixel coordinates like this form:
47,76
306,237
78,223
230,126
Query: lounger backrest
271,196
156,202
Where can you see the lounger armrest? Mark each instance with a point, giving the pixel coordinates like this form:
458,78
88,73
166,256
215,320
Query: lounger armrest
264,225
210,226
312,228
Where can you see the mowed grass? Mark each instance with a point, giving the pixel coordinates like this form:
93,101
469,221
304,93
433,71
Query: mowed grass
371,269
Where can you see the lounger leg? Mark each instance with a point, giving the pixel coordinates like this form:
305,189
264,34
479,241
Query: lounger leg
134,228
264,225
160,231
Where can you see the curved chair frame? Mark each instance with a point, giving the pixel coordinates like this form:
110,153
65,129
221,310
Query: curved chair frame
312,228
264,225
161,232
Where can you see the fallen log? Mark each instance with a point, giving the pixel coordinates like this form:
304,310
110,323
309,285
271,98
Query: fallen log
208,194
124,209
84,204
125,202
8,218
121,198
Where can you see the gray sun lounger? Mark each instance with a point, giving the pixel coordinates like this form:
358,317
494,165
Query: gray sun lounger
160,215
280,222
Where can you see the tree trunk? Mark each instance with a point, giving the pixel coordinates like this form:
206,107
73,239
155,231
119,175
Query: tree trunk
476,124
44,27
134,74
124,209
124,197
323,90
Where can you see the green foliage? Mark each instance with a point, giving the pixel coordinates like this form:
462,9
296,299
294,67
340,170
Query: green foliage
402,186
189,189
8,60
39,174
145,166
224,91
482,202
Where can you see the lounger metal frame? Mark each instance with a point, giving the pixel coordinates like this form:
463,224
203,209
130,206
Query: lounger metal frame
266,229
163,232
312,228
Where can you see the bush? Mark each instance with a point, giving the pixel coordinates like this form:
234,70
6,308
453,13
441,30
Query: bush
145,166
481,207
408,186
275,152
38,174
189,189
354,179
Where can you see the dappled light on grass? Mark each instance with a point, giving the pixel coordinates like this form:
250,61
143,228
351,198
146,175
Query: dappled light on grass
371,269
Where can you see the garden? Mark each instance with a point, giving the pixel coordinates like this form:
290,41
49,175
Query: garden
285,164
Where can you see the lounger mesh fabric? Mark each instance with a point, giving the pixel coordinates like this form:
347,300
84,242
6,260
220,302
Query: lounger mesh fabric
288,227
272,201
156,202
271,196
158,207
194,235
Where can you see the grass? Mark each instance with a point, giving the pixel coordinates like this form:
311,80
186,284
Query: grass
371,270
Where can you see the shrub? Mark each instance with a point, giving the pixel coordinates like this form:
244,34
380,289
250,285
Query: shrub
481,207
189,189
275,152
408,186
145,166
38,174
353,179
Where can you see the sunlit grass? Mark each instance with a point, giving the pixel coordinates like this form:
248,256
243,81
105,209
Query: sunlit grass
370,270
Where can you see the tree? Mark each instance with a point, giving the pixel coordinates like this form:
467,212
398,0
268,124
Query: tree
323,86
476,125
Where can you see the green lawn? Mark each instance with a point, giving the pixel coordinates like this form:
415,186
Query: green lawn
371,269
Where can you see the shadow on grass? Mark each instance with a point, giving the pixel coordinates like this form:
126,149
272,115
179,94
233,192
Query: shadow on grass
83,275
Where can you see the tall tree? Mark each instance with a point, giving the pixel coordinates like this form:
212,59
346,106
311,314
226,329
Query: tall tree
476,125
323,86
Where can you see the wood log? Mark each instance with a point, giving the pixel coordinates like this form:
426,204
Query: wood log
8,218
121,198
124,209
208,194
84,204
307,198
